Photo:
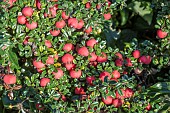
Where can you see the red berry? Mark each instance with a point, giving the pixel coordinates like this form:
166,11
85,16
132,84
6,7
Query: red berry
119,55
75,74
117,102
118,62
103,75
136,53
161,34
116,74
54,32
88,30
145,59
38,64
38,4
32,25
26,40
21,19
91,42
44,82
90,80
67,58
9,79
64,16
80,24
98,6
68,47
70,66
148,107
83,51
73,22
60,24
79,91
128,62
128,92
102,58
88,5
93,57
108,100
107,16
63,98
50,60
58,74
27,11
48,43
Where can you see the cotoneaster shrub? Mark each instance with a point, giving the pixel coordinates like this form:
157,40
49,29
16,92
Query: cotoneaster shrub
55,58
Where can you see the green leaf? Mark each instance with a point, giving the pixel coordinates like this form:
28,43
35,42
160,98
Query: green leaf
143,9
13,59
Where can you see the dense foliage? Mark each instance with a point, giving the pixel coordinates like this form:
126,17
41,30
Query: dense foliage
85,56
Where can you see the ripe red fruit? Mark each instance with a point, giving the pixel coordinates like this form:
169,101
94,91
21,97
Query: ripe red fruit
136,53
91,42
39,70
103,75
116,74
118,62
32,25
108,100
64,16
9,79
117,102
54,32
75,74
44,82
102,58
73,22
83,51
38,64
161,34
48,43
50,60
38,4
90,80
145,59
63,98
88,30
60,24
128,92
58,74
128,62
79,91
70,66
119,55
142,59
21,19
107,16
98,6
67,58
148,107
120,96
148,60
25,42
93,57
80,24
68,47
52,11
88,5
27,11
